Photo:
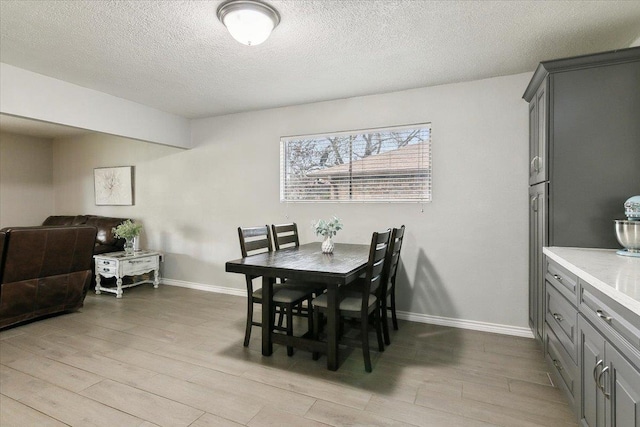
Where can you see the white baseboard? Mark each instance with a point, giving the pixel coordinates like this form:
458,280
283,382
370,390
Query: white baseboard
203,287
495,328
411,317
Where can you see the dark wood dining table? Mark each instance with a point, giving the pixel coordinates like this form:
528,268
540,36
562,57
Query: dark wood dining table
304,263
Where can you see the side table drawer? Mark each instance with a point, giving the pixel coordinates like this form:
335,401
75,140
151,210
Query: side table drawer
138,266
106,270
105,263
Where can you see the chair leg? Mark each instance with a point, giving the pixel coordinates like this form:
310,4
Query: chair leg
364,326
376,320
385,322
393,309
316,331
280,317
247,331
309,316
289,327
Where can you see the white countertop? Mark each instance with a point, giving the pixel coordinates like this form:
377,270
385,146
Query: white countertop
614,275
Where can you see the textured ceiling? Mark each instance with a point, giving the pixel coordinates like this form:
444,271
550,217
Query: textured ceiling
175,56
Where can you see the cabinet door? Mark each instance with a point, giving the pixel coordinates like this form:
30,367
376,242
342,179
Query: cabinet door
538,135
623,386
533,141
592,408
537,239
541,161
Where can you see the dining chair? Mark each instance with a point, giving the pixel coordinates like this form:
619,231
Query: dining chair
391,266
361,304
285,235
255,240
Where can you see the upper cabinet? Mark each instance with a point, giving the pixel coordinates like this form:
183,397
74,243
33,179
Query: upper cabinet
538,135
584,135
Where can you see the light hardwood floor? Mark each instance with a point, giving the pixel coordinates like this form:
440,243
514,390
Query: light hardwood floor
174,357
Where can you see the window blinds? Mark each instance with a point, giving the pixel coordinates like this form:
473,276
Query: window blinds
386,165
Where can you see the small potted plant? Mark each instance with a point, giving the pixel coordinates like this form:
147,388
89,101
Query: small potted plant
128,231
327,229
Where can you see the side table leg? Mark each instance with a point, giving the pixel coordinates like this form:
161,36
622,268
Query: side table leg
156,278
98,284
119,287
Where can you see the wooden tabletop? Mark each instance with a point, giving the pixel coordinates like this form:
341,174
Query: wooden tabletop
306,262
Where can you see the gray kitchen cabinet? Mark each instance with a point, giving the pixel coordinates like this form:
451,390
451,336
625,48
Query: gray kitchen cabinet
592,333
561,332
583,144
537,239
538,135
592,412
625,391
610,383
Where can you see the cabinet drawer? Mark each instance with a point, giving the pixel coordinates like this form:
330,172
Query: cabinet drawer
563,280
106,270
562,366
105,263
607,315
562,318
139,266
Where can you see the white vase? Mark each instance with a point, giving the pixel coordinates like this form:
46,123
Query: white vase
128,247
327,245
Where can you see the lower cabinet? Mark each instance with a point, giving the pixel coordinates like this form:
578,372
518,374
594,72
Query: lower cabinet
610,383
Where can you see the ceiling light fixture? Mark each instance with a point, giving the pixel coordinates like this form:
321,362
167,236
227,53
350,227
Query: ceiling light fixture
250,22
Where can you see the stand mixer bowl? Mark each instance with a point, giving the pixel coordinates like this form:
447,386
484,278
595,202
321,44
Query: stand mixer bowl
628,234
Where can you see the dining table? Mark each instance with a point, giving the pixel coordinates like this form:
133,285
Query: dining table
305,263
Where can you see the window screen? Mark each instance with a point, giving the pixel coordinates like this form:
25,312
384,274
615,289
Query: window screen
387,165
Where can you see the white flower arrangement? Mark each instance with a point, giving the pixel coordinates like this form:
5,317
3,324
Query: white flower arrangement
127,230
327,228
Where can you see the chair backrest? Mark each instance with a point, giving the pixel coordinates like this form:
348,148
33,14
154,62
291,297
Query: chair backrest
393,256
375,266
254,240
285,235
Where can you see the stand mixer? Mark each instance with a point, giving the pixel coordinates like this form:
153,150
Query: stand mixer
628,231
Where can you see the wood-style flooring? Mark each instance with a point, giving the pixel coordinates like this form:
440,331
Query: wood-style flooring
174,357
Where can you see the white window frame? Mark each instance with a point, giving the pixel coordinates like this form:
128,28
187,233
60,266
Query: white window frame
360,184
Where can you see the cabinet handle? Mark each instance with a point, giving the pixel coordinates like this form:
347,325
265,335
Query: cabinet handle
557,277
558,317
535,164
603,316
595,375
557,364
534,203
599,384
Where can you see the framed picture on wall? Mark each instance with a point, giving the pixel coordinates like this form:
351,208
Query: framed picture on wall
113,186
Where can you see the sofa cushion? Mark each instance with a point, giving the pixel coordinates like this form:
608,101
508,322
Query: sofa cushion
65,220
105,226
45,270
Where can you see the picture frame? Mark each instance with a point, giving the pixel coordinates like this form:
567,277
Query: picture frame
113,186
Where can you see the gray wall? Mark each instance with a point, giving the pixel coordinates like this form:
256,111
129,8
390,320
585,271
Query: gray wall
26,180
464,262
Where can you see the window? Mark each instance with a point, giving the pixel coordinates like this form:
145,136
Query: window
387,165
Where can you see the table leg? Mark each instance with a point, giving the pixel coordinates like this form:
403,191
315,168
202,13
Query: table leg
156,278
267,315
119,287
332,327
98,284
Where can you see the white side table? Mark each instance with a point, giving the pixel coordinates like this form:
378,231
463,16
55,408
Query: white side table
119,265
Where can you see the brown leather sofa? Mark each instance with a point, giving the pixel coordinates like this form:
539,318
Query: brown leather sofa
43,270
105,240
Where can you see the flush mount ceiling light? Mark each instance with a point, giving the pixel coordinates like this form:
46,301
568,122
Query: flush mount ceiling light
250,22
